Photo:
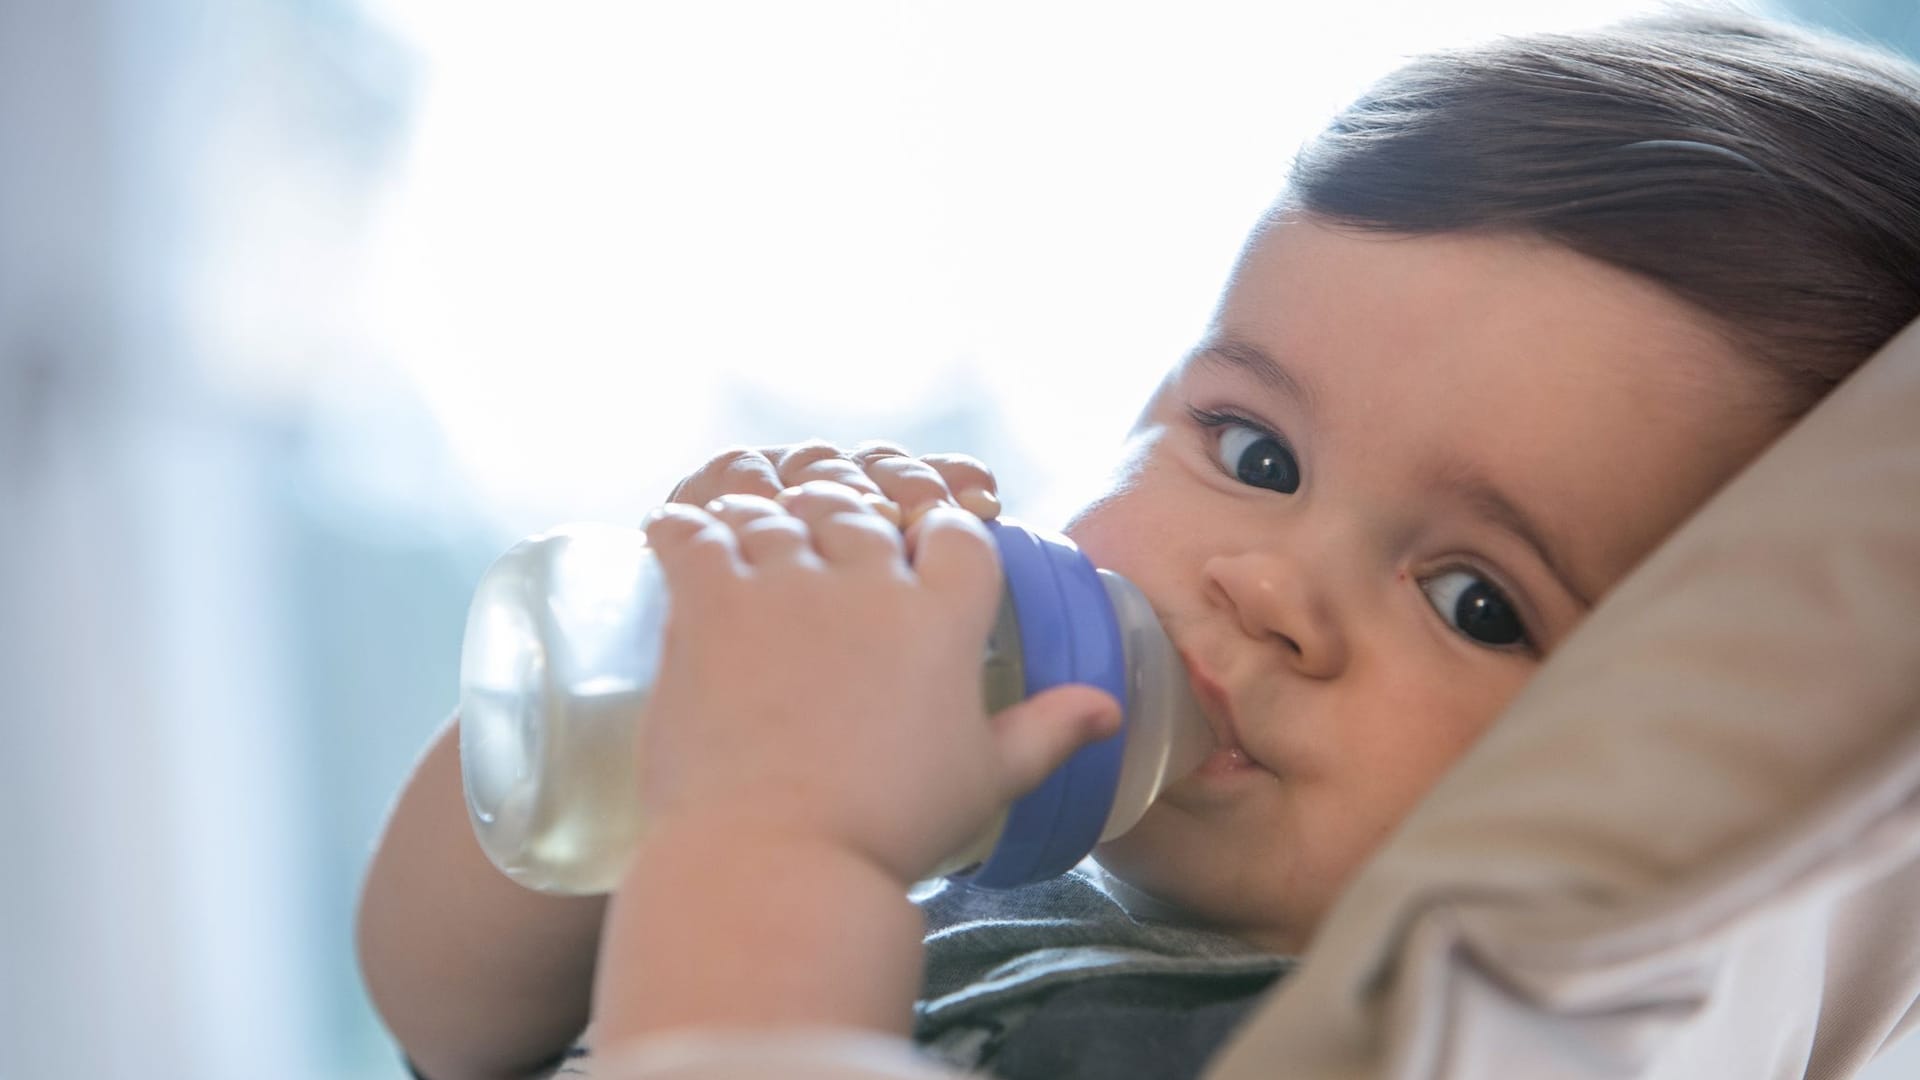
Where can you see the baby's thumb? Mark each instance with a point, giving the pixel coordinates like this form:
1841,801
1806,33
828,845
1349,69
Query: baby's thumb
1039,734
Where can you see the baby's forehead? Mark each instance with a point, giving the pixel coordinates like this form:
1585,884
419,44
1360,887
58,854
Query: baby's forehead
1477,306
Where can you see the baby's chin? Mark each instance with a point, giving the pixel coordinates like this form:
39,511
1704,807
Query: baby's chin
1152,887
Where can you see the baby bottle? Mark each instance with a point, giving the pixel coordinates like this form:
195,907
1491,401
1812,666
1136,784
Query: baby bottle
563,644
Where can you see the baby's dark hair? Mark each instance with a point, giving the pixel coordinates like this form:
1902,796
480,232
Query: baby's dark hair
1768,175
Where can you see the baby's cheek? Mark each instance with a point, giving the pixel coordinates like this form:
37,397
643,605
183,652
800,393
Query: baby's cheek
1382,775
1447,712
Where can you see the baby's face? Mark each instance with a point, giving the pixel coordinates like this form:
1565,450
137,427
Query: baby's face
1390,480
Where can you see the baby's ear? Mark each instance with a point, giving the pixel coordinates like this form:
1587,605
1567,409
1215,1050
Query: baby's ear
1697,823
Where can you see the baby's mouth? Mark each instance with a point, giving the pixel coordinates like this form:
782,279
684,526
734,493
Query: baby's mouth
1227,759
1228,755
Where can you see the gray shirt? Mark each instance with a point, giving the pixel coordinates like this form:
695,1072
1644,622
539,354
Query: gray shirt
1079,976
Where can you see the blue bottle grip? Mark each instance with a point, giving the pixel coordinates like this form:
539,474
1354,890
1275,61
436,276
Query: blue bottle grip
1068,634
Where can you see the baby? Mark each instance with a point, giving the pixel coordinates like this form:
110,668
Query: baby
1517,313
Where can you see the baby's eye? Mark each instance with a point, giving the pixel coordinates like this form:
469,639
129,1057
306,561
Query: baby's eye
1475,607
1256,457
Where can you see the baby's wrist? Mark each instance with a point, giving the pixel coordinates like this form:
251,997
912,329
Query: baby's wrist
753,834
760,926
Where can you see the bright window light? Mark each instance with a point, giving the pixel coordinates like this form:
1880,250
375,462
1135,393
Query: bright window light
618,218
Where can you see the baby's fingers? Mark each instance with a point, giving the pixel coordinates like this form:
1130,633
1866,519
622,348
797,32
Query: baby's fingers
953,555
848,526
815,460
763,532
918,483
971,482
739,471
1037,736
694,547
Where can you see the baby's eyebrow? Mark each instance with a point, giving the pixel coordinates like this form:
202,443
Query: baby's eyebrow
1485,498
1245,356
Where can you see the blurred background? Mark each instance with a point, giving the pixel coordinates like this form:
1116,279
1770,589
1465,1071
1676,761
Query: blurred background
310,307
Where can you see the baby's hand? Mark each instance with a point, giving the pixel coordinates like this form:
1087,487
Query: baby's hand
909,485
820,680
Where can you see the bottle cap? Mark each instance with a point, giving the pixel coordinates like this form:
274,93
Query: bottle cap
1068,634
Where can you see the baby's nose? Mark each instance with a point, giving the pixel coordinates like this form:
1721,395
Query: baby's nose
1275,599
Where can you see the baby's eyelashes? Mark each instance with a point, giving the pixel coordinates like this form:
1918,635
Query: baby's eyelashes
1251,453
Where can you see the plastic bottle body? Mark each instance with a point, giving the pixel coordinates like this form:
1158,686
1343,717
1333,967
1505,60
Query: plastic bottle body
562,647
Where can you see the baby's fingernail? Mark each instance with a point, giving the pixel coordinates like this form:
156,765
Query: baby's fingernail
885,507
983,503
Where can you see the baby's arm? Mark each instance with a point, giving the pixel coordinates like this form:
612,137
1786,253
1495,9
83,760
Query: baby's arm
478,977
